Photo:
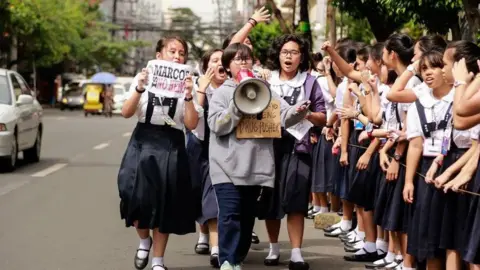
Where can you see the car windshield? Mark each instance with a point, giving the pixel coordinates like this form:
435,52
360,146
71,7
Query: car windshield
74,92
5,95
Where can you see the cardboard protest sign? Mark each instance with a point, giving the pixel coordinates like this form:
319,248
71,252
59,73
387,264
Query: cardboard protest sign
167,78
250,127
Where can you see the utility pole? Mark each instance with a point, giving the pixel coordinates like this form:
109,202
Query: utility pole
114,17
305,21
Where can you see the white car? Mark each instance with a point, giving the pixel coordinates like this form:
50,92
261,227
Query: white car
20,121
119,97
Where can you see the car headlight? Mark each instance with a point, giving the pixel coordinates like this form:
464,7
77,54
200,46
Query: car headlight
64,100
82,100
3,127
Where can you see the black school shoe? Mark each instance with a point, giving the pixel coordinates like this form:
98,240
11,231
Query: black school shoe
272,262
367,257
298,266
336,233
214,262
142,263
255,239
202,248
378,265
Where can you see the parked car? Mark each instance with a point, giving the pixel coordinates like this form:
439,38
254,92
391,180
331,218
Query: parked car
72,99
20,121
119,97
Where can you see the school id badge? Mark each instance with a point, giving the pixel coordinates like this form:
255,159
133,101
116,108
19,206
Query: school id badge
168,120
445,145
432,147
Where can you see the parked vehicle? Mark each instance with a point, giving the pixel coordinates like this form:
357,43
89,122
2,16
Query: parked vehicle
119,97
21,125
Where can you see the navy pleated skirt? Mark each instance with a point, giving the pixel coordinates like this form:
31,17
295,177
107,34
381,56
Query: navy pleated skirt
364,185
154,181
354,153
292,182
425,228
200,171
471,239
323,166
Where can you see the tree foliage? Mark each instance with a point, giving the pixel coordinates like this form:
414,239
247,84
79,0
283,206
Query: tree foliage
262,37
388,16
50,31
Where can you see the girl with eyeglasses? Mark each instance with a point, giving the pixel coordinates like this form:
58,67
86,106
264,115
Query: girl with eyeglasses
289,60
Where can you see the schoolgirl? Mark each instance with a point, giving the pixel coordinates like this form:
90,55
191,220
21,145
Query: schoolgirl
429,131
289,61
348,53
197,148
322,158
240,168
461,209
154,178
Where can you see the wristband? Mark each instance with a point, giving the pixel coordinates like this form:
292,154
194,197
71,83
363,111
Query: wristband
188,99
200,92
138,90
254,21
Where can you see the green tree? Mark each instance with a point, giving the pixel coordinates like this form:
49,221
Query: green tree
262,37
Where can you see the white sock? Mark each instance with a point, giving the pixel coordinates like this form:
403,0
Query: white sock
357,229
203,238
316,208
214,250
399,257
346,225
157,261
368,246
323,209
337,225
381,245
274,252
361,235
144,244
296,255
390,257
359,245
407,268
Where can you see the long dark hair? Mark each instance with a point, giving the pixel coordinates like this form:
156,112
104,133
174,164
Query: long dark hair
403,45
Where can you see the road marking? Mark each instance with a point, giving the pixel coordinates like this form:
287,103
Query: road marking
12,186
49,170
101,146
128,134
61,118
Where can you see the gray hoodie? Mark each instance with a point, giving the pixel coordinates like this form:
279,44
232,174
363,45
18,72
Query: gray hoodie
243,162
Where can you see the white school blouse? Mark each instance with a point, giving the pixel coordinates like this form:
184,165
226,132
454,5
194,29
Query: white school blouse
286,88
160,111
199,132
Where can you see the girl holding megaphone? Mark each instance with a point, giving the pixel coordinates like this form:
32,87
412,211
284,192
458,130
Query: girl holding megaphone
240,168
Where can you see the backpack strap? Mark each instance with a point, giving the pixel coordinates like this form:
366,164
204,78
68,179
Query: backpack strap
427,128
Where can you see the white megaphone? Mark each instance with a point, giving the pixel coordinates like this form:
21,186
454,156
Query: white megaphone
252,96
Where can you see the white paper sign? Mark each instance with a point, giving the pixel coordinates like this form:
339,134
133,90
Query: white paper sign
300,129
167,78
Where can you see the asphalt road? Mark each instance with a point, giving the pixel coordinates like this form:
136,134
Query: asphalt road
62,213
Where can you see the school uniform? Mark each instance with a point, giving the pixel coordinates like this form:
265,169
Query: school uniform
293,160
197,149
154,178
471,231
456,204
431,119
322,157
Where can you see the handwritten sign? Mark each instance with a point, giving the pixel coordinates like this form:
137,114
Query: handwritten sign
167,78
250,127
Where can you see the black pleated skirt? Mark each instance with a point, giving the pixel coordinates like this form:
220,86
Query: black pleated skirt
154,181
200,171
425,227
354,153
292,182
323,165
471,233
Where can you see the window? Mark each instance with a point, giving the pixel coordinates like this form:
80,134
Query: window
25,89
17,88
4,91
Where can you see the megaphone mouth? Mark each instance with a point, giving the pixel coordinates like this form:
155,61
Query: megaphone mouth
252,96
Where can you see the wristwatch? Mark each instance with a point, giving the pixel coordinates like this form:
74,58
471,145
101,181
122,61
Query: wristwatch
188,99
412,69
458,83
138,90
397,157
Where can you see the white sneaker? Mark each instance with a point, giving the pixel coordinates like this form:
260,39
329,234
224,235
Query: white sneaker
237,267
227,266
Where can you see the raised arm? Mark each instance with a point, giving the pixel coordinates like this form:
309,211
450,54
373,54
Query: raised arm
344,67
261,15
398,92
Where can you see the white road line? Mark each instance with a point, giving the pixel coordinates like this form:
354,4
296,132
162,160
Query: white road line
12,186
61,118
128,134
101,146
49,170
